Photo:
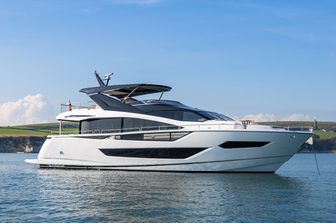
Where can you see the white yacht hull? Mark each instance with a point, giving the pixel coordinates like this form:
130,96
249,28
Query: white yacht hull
85,152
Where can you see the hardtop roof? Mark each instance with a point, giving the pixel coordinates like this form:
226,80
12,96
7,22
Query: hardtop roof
127,90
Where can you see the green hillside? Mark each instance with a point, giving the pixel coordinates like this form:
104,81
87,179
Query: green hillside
320,125
325,135
325,131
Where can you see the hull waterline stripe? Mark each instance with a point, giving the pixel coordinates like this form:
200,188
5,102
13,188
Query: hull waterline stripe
157,171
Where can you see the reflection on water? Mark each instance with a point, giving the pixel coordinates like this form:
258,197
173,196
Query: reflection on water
72,195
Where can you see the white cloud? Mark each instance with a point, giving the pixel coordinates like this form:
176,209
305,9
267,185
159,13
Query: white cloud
136,2
261,117
28,110
298,117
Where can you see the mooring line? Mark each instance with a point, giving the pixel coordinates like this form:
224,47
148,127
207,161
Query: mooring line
317,166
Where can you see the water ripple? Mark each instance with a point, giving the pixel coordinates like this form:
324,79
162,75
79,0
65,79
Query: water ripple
295,194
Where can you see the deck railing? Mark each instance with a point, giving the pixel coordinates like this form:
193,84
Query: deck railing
300,128
164,127
236,125
110,131
68,107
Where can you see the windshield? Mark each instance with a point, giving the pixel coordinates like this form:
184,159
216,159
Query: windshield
181,115
215,116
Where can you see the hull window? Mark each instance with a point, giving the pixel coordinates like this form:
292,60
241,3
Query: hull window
242,144
158,153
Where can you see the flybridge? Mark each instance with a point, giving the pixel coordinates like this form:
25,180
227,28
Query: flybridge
127,90
120,97
124,91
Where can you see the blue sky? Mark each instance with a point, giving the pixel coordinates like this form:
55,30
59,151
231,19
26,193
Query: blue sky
268,59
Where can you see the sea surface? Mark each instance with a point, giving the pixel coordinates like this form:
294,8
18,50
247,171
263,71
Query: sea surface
296,193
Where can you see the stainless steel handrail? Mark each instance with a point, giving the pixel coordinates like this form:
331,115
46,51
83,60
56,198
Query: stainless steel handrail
300,128
108,131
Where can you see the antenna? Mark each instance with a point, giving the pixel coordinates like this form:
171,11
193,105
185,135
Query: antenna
101,83
107,78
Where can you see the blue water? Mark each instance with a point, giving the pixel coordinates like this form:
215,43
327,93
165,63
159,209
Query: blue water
296,193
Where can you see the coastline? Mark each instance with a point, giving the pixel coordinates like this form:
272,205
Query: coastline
19,143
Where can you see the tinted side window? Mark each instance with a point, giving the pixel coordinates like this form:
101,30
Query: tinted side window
133,124
180,115
101,125
193,117
177,115
121,124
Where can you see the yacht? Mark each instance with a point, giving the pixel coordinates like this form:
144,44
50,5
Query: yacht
123,132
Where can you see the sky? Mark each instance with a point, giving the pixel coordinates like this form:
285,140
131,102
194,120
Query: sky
249,59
